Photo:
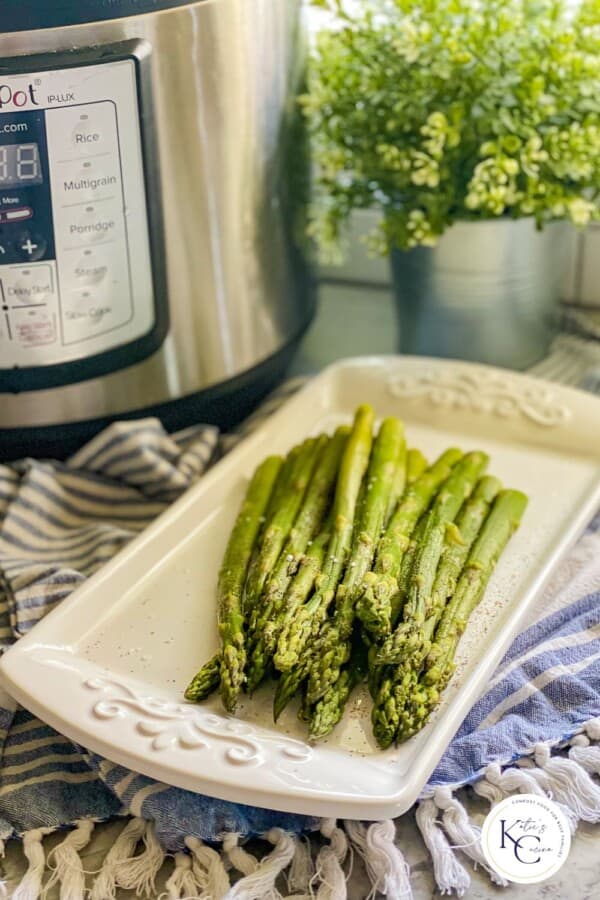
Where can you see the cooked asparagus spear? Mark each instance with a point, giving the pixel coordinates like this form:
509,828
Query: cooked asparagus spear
328,711
460,537
408,640
415,465
459,541
279,488
497,529
437,526
398,483
379,672
306,621
503,520
232,576
334,644
379,586
206,680
266,618
288,686
282,517
296,595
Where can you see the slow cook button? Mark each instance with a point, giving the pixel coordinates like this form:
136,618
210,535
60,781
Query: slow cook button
88,317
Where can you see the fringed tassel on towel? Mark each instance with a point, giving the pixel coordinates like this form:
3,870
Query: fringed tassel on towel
67,863
583,753
31,884
516,779
449,874
301,868
105,884
139,873
261,882
208,869
568,783
181,884
330,860
443,820
464,836
384,861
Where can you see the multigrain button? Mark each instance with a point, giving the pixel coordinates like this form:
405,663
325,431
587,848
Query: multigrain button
89,183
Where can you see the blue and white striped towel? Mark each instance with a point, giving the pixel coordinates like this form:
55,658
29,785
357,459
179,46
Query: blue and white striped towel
60,522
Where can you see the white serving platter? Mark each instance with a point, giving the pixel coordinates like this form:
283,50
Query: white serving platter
108,667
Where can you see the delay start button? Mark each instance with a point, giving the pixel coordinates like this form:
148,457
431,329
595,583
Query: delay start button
28,286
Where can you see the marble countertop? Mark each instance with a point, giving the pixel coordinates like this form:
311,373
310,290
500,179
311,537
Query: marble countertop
369,327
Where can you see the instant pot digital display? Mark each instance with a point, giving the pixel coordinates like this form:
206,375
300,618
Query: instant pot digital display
20,165
75,269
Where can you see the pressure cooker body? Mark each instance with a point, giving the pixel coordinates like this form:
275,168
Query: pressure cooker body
153,184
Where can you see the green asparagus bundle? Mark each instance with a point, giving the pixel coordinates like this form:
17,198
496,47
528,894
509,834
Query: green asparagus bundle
503,520
266,620
329,709
437,527
351,561
406,647
334,646
232,576
296,596
306,622
280,519
500,524
374,608
379,671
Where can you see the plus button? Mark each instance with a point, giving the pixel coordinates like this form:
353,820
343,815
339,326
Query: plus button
28,246
31,246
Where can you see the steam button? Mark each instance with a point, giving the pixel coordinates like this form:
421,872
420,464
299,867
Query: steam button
89,272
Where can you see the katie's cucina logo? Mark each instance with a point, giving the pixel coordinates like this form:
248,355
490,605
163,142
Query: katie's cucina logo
526,838
17,98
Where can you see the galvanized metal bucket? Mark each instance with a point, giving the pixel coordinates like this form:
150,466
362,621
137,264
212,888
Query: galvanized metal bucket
488,291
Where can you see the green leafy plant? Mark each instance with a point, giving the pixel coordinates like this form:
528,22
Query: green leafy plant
444,110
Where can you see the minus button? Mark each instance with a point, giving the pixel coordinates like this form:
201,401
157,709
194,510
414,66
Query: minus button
17,215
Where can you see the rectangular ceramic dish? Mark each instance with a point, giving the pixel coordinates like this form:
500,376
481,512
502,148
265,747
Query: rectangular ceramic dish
109,666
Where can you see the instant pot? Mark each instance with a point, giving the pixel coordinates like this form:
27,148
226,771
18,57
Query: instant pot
153,179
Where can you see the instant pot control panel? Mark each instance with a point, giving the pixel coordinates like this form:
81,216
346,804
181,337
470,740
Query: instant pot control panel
77,293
